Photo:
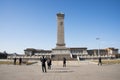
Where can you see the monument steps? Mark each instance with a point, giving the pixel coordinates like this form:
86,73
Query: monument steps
59,57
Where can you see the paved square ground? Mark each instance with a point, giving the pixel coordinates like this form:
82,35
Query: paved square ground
73,71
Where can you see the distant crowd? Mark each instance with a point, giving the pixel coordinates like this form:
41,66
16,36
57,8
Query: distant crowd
49,63
15,61
43,61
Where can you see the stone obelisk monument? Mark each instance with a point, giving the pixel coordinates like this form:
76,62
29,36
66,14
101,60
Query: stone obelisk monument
60,50
60,31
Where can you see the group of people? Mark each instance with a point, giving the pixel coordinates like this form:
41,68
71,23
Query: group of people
20,61
43,61
49,63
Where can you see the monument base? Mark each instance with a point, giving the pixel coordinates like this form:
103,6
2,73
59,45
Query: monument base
59,53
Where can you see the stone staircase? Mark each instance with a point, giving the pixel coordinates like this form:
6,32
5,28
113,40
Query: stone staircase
59,57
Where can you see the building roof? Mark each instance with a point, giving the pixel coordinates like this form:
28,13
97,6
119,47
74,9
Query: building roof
38,50
78,48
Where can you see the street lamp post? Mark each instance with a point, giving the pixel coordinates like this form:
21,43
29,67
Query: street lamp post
98,46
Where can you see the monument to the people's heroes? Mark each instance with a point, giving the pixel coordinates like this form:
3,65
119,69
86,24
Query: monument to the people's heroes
60,31
60,50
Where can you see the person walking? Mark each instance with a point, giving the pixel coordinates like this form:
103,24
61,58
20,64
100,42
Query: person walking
99,61
43,61
49,63
20,61
64,62
15,61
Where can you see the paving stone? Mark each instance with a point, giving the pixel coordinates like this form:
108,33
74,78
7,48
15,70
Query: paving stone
83,71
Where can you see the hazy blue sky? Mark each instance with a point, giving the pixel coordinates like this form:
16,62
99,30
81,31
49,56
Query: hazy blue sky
33,24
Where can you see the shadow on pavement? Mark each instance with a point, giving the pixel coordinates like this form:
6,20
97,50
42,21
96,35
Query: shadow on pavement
30,63
60,70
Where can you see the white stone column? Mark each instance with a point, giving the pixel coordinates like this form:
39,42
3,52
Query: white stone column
60,31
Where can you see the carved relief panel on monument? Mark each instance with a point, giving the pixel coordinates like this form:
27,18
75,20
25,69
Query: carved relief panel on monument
61,23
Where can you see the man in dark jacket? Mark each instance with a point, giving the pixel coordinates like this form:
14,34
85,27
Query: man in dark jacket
64,62
49,63
43,60
20,61
15,61
100,61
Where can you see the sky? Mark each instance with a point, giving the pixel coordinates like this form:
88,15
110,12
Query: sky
33,24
